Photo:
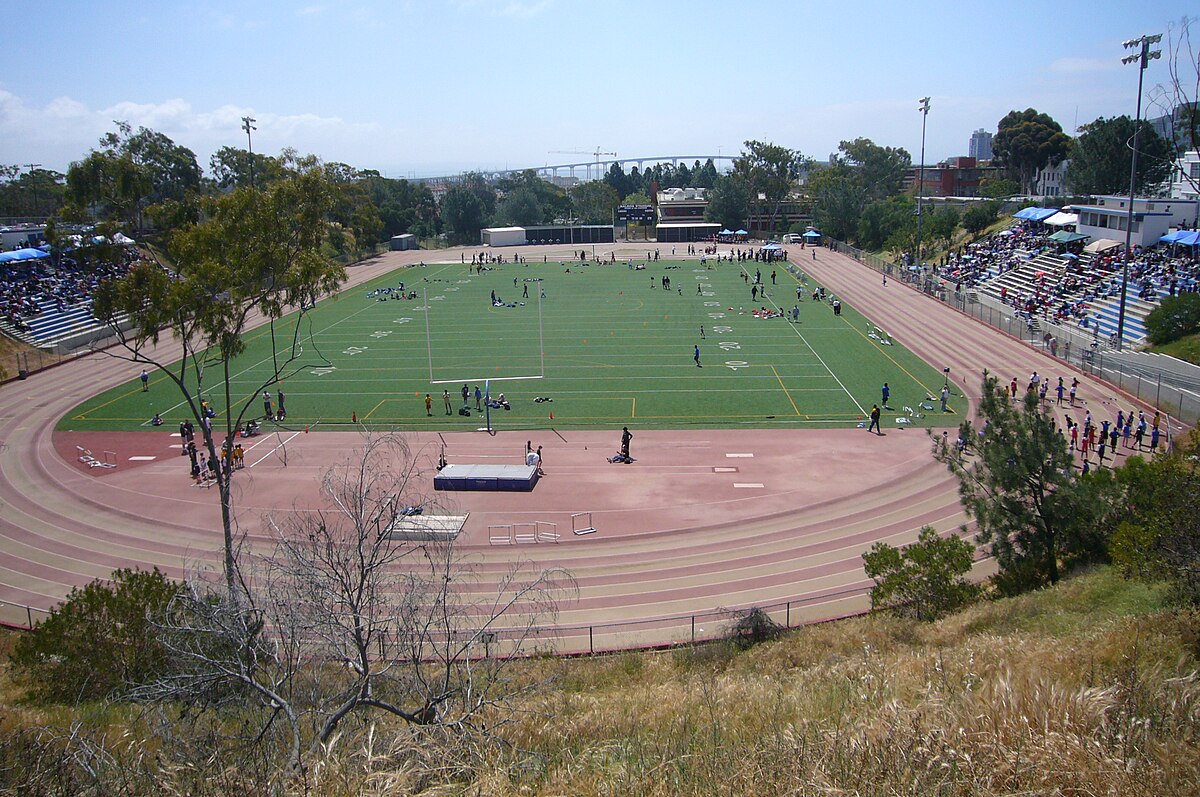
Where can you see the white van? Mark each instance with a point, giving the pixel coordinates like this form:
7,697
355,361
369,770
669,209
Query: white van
793,238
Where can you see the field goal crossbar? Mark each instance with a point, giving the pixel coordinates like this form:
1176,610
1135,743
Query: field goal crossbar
581,523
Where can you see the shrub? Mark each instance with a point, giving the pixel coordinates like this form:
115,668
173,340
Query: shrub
97,641
923,580
1174,318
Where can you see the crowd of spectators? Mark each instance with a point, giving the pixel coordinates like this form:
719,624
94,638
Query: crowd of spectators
1070,293
31,287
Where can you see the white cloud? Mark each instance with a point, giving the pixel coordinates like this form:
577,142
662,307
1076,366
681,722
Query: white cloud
64,130
309,11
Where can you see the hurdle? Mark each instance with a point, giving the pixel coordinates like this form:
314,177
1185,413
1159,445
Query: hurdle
581,523
546,531
110,459
500,535
524,532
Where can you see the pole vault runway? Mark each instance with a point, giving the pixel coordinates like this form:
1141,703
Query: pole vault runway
704,520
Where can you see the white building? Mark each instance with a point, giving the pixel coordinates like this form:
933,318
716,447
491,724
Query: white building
1108,217
1185,179
1051,180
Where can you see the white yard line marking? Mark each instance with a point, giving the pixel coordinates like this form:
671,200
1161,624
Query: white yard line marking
748,485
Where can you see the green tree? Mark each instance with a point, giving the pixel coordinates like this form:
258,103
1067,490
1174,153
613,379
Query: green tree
519,208
1026,141
942,224
880,221
617,180
463,213
128,173
238,168
594,201
537,199
1017,479
1101,158
979,217
37,193
404,206
255,252
99,641
705,176
838,201
771,172
1174,318
880,170
1158,537
924,580
998,188
728,202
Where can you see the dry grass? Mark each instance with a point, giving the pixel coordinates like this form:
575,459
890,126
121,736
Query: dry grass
1090,688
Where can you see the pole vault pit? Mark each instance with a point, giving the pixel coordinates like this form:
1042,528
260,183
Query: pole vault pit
487,478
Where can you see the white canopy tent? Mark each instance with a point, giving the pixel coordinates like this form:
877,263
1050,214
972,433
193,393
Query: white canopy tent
1101,245
1062,219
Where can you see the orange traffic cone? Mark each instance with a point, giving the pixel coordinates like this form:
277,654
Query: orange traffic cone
354,417
306,428
551,415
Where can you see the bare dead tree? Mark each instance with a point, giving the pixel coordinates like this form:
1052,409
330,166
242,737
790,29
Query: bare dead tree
356,610
1178,99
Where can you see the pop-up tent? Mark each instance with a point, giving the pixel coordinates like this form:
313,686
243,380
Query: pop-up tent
1064,237
18,255
1035,214
1101,245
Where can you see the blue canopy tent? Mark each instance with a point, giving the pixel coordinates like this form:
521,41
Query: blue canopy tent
23,254
812,234
1182,238
741,232
1035,214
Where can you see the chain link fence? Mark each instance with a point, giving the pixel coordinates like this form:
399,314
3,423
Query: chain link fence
1174,390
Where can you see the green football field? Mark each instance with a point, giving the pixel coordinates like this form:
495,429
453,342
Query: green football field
608,345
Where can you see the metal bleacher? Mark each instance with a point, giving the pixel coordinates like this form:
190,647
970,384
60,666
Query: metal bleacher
1023,281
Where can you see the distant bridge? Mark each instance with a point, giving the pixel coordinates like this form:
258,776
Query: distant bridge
593,169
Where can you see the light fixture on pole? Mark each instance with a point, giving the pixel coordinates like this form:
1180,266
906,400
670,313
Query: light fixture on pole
248,125
33,167
924,109
1143,55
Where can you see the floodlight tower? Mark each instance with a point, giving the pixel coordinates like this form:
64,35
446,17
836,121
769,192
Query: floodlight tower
924,109
248,125
1143,55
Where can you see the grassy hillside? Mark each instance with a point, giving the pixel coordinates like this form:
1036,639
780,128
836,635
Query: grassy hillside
1089,688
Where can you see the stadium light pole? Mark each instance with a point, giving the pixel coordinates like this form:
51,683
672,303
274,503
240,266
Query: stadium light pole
1143,55
248,125
924,109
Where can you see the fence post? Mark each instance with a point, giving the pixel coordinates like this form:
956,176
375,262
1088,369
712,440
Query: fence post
693,629
788,622
591,641
29,618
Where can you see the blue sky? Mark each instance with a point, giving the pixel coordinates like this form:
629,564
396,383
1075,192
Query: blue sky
418,88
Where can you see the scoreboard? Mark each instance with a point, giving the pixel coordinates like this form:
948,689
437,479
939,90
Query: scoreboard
637,214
